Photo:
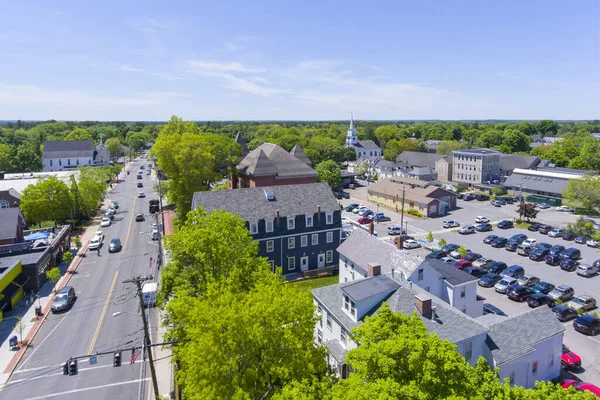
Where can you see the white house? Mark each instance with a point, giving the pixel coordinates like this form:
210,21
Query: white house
363,148
71,154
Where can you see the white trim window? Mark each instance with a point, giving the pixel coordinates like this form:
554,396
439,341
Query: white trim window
291,223
329,218
343,336
350,305
268,226
253,228
314,239
291,263
309,221
329,256
270,246
329,322
329,237
319,336
272,265
292,243
303,240
4,204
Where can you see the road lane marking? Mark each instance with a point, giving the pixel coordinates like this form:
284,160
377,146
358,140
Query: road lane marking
86,389
106,303
130,223
58,366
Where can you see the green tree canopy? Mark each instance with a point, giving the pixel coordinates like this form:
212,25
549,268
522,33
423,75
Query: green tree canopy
89,189
47,200
329,172
446,147
585,191
516,141
395,147
6,157
79,134
114,146
28,161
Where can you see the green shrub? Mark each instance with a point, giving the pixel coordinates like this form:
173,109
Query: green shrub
53,275
430,237
415,213
443,242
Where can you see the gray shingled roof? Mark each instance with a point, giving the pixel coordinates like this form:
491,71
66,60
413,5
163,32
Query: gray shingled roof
271,159
68,148
452,275
252,205
9,221
362,249
371,286
239,139
300,154
421,171
419,159
450,323
508,162
368,145
515,336
536,183
336,350
476,151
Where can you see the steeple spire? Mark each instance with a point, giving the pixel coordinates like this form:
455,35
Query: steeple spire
351,121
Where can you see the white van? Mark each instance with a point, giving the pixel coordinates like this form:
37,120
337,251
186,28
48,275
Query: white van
149,293
395,230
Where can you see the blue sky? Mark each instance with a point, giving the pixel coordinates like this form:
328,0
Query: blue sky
308,60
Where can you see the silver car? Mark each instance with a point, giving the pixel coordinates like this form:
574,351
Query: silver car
586,270
503,285
584,303
556,232
482,262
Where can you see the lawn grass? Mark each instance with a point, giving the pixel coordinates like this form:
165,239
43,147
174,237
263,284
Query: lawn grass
310,284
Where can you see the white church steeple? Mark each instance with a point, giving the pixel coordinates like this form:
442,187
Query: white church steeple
351,138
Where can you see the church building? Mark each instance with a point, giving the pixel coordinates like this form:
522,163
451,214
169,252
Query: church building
365,149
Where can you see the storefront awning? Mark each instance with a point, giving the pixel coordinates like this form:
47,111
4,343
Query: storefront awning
21,279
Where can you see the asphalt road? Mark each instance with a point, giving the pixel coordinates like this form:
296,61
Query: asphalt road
105,317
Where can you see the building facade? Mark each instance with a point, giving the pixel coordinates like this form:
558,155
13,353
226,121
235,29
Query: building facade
367,149
72,154
9,198
298,227
476,165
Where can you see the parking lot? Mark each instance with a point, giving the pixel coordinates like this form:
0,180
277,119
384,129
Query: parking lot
587,347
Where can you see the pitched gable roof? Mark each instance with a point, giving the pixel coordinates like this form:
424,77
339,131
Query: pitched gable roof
450,274
239,139
300,154
509,162
281,163
68,148
419,159
368,145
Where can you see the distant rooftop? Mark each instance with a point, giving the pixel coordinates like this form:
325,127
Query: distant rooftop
569,171
476,151
20,181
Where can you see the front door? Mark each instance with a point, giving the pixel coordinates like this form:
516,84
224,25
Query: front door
321,260
304,263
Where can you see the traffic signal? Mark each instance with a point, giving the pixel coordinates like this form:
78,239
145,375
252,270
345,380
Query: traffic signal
117,359
73,367
65,368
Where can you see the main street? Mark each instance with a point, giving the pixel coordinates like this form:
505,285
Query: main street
105,317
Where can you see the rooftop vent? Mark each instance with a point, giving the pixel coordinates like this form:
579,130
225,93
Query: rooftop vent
423,304
269,195
551,165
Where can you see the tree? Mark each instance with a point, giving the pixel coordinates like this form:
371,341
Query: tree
395,147
114,146
77,243
89,189
53,275
68,257
430,237
79,134
462,250
581,227
364,168
329,172
527,210
47,200
446,147
586,191
497,192
386,133
516,141
547,127
6,158
443,242
28,161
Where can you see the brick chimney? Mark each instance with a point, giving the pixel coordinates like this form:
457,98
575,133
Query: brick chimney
423,304
318,213
374,269
277,216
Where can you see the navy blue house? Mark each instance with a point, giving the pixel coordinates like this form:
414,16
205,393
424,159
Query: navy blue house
298,227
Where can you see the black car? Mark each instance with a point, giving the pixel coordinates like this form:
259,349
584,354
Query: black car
568,236
543,287
519,238
489,280
476,272
483,227
497,267
511,245
139,176
489,238
569,265
534,227
469,197
587,324
519,293
345,195
538,254
564,313
544,229
449,248
114,245
542,245
557,249
437,254
505,224
571,253
351,207
337,195
596,264
140,184
482,197
538,299
64,299
492,309
553,259
508,200
581,239
499,242
470,256
139,217
501,201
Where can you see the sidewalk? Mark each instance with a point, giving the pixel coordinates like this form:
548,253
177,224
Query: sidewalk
10,359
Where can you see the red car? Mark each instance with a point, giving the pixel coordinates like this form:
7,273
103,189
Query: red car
365,220
569,359
582,386
462,264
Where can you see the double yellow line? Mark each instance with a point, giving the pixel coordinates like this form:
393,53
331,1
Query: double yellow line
106,303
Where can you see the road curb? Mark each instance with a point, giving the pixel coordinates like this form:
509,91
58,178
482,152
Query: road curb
12,365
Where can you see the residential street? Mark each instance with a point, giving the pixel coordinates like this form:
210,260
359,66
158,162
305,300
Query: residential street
105,316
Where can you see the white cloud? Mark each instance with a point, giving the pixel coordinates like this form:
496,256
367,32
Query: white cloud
200,66
128,68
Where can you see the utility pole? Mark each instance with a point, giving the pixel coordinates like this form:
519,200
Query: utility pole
401,238
138,281
160,196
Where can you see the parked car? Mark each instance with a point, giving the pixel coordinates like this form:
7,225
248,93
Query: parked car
571,253
114,204
504,283
592,243
497,267
395,230
491,309
404,238
480,219
543,287
476,272
581,239
514,271
538,254
110,213
364,211
489,238
359,208
456,255
582,386
64,299
489,280
569,265
542,245
139,217
483,227
462,264
523,250
450,247
141,195
365,220
482,197
596,264
437,254
411,244
569,359
586,270
381,217
482,262
499,242
95,243
529,242
345,195
528,280
511,246
534,227
543,206
553,260
519,293
450,224
469,197
562,292
519,238
105,222
583,302
568,236
539,299
496,203
467,229
114,245
350,207
505,224
587,324
556,249
564,313
565,209
544,229
556,232
470,256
